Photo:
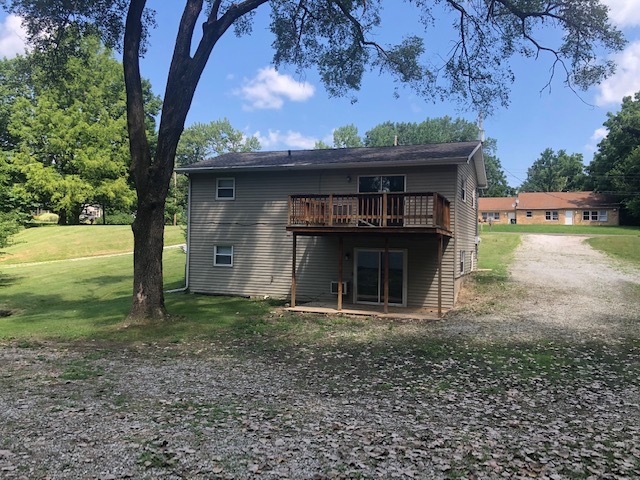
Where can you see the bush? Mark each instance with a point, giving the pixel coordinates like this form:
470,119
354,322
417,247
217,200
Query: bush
117,218
46,218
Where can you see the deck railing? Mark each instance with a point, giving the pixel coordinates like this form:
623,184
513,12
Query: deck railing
370,210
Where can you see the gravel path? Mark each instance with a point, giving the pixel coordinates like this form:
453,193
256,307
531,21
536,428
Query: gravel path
450,399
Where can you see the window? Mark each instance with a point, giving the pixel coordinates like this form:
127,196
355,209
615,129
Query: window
462,258
225,189
595,215
529,214
385,183
473,199
551,215
223,256
490,216
463,190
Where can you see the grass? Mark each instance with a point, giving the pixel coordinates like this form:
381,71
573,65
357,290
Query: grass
622,248
564,229
53,242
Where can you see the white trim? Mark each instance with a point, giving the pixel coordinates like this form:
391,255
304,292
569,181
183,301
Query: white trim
218,188
405,264
215,256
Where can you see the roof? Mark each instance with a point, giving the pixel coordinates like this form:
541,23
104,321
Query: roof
548,200
402,155
495,204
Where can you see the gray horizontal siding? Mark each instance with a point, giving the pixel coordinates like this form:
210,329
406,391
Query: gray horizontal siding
254,223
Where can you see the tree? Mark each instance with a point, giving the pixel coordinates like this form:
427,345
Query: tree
337,36
555,172
346,137
203,140
615,168
70,139
443,130
432,130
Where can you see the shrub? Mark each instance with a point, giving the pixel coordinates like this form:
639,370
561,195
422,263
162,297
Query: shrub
117,218
46,218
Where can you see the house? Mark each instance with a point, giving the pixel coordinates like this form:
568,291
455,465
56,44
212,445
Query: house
549,208
390,226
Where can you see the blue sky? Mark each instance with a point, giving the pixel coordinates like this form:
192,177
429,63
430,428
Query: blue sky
287,110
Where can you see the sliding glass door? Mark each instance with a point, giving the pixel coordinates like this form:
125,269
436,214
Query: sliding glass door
369,284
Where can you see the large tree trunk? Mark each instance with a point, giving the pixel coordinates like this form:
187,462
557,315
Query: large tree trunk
152,176
148,239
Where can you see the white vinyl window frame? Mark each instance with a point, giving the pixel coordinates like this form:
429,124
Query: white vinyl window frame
225,188
223,256
463,190
551,215
463,258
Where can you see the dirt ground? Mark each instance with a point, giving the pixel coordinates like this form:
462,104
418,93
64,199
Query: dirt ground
545,384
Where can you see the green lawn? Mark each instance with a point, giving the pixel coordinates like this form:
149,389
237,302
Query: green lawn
564,229
495,252
623,248
52,242
89,299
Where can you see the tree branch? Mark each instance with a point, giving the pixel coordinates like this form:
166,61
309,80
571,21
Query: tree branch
138,141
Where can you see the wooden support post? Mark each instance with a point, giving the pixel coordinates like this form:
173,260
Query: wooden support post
385,207
293,272
440,253
386,275
330,209
340,259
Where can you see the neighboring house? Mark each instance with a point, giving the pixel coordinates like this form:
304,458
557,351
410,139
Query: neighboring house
545,208
382,226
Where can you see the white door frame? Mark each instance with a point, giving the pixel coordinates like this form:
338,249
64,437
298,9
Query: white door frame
568,217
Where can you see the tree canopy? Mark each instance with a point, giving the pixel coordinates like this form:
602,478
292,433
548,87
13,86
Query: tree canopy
432,130
338,37
70,141
555,172
615,168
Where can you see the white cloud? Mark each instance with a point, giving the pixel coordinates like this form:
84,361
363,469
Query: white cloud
269,89
274,139
626,80
624,13
12,37
598,134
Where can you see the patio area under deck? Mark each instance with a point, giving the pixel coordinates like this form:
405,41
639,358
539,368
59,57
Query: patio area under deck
399,313
440,234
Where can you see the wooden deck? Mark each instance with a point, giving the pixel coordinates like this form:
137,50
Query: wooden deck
389,213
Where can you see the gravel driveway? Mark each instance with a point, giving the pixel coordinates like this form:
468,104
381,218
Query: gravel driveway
545,388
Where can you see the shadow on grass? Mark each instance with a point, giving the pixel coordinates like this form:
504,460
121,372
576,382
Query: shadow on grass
8,280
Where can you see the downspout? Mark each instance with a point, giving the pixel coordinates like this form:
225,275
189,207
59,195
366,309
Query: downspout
186,268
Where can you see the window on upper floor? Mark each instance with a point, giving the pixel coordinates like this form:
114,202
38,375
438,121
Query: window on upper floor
225,189
463,190
381,183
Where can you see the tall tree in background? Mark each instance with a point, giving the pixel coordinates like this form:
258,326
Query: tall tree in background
343,137
615,168
336,36
70,138
434,130
203,140
555,172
